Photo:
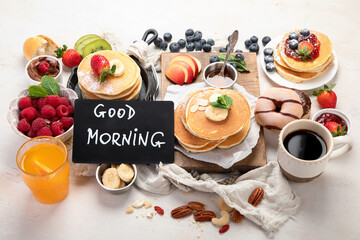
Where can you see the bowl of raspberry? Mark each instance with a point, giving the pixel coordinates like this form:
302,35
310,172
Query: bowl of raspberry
45,116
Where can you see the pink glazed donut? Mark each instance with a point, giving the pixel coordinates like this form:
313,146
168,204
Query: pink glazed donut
278,106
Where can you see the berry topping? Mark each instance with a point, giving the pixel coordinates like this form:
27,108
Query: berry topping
48,112
167,37
254,39
23,125
210,42
270,67
304,49
174,47
182,43
326,97
190,46
214,58
37,124
24,103
268,58
247,43
71,58
222,50
62,111
41,103
335,129
206,47
101,67
64,101
53,100
294,35
45,131
268,51
189,32
239,56
57,128
163,46
29,113
157,42
293,44
67,122
254,48
198,46
265,40
43,67
305,32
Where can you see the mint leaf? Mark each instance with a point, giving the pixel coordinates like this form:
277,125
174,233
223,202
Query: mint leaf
105,73
50,85
37,92
222,101
218,105
240,64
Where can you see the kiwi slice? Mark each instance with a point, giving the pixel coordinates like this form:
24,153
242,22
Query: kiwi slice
83,43
96,45
83,38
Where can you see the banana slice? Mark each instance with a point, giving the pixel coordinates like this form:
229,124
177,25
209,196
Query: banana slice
126,172
119,67
111,179
214,97
216,114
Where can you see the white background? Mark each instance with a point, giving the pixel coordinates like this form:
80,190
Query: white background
330,206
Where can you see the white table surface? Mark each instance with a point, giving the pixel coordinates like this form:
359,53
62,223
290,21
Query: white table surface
330,206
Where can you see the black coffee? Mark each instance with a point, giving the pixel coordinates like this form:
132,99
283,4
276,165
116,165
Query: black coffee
305,144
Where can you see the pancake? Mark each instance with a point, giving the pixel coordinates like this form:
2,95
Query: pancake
309,66
236,138
112,85
200,126
208,147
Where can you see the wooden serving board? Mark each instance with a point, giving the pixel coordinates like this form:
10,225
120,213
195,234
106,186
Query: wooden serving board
250,82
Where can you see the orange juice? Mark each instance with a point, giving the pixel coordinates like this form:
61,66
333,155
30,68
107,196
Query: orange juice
45,168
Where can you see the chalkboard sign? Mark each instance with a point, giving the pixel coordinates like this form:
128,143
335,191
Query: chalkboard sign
123,132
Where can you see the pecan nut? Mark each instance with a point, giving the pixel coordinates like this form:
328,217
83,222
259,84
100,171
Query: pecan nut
256,197
196,206
203,216
237,216
181,212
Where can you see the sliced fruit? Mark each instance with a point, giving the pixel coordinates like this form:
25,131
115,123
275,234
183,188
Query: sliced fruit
126,172
96,45
119,67
83,38
111,179
177,73
189,60
83,43
198,64
216,114
190,77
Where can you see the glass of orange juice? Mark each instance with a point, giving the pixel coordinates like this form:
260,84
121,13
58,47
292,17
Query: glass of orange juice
44,166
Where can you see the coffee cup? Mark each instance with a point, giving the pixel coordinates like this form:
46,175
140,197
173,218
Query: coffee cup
299,169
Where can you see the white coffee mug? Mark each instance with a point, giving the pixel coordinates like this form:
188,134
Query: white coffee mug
300,170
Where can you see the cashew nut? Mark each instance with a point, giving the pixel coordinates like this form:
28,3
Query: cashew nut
224,206
225,218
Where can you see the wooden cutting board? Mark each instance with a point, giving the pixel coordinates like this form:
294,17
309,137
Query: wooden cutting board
250,81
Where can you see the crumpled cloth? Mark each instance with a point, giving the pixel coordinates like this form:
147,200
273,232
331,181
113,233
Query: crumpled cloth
145,54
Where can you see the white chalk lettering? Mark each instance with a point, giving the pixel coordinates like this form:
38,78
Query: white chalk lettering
112,112
121,112
141,139
101,114
157,143
131,112
91,136
127,139
115,138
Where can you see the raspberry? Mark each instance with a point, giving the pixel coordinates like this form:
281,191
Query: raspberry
43,67
48,112
29,113
62,111
23,126
45,131
24,102
71,110
37,124
57,128
54,119
67,122
34,102
32,133
41,102
64,101
53,100
37,115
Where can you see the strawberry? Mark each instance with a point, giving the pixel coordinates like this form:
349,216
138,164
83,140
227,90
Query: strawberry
335,129
326,97
304,49
101,67
70,57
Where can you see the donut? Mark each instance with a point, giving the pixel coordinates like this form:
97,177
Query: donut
278,106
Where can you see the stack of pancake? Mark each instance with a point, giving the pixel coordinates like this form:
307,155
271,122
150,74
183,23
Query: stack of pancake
124,87
299,71
197,133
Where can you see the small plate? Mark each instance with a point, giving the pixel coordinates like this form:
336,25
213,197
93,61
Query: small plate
317,82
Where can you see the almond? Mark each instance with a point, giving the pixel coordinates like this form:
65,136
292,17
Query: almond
196,205
202,216
256,197
237,216
181,212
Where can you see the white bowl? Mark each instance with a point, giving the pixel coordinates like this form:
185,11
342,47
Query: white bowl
335,112
99,172
13,114
34,82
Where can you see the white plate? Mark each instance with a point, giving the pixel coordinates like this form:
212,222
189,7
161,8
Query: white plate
317,82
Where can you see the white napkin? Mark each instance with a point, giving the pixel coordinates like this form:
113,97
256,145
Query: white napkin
222,157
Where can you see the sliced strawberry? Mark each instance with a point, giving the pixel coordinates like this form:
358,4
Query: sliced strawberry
304,50
335,129
101,67
326,97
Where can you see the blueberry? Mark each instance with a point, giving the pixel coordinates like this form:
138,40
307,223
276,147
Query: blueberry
214,58
158,41
197,37
190,46
167,37
206,47
203,41
233,64
268,51
294,35
189,32
254,39
174,47
293,44
268,59
266,40
254,47
238,50
305,32
239,56
189,38
222,50
247,43
198,33
163,45
210,42
182,43
198,46
270,67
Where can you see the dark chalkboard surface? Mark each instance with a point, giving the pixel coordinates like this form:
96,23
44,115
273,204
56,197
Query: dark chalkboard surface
108,131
